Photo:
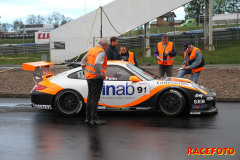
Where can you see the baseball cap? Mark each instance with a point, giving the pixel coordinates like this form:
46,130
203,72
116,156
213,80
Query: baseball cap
186,45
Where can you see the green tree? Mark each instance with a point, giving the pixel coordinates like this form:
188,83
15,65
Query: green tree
16,24
40,19
57,19
6,26
193,9
31,19
35,19
219,6
65,20
233,5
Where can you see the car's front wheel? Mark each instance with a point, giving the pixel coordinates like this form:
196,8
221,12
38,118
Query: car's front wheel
172,103
69,102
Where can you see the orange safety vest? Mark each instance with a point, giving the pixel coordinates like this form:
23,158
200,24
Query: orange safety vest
90,72
161,50
131,57
192,56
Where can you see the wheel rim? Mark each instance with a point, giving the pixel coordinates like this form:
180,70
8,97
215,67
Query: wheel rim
171,103
69,103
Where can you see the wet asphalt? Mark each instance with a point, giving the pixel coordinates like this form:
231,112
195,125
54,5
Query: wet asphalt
30,134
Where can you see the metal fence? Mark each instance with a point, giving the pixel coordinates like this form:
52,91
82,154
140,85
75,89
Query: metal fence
179,38
28,48
221,38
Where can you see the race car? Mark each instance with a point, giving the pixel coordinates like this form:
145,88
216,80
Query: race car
126,87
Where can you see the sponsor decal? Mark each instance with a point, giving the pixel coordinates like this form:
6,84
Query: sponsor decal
198,106
126,108
210,151
198,95
195,113
125,89
39,106
118,89
210,98
101,107
112,108
111,78
43,35
199,101
143,108
171,82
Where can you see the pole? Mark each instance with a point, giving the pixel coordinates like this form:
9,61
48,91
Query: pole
101,23
237,23
206,25
211,46
147,40
23,39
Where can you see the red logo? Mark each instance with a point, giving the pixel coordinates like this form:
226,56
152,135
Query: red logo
43,35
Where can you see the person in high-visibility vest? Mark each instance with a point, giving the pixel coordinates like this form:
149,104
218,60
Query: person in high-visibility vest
128,56
95,65
193,62
165,52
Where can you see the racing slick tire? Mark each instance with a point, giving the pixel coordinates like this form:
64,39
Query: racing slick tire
172,103
68,102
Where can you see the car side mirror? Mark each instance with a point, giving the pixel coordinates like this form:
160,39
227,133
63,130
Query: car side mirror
134,79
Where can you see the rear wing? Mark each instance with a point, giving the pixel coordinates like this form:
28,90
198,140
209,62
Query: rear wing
40,69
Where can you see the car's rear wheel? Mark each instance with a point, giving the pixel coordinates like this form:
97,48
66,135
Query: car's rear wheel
69,102
172,103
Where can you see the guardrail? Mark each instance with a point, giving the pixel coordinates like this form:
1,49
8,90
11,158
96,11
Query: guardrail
10,49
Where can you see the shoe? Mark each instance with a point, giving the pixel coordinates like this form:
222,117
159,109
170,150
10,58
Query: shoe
97,121
87,121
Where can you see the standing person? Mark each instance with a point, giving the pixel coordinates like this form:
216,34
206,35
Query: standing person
95,65
193,62
165,52
128,56
112,52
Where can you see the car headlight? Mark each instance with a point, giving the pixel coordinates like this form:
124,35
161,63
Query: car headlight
198,87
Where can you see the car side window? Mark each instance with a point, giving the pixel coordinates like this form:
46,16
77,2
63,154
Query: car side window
118,73
77,75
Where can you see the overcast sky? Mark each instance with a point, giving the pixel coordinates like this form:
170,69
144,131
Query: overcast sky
14,9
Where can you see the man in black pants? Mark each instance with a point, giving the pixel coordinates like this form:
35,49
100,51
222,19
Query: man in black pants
95,65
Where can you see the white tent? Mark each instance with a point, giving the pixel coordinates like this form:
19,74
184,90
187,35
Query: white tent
119,17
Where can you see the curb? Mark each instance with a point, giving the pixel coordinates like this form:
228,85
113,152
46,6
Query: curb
221,99
228,99
15,96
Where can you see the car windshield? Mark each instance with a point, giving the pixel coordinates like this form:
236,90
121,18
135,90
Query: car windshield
145,74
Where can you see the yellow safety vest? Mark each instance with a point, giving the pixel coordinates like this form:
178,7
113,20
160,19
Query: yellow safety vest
161,50
90,72
192,56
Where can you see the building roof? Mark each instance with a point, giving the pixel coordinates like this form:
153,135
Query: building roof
169,14
225,16
153,22
178,21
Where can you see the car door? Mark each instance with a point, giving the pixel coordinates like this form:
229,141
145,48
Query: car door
119,92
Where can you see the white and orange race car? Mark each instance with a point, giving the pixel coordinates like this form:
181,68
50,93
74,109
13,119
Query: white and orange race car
126,87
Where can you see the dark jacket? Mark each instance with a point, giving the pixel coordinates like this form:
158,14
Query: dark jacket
112,53
126,56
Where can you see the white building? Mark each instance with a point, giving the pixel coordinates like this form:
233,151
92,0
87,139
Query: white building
119,17
32,28
226,19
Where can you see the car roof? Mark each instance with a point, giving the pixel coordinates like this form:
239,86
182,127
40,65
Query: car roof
111,62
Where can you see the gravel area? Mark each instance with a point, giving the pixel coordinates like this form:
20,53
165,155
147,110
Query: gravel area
225,81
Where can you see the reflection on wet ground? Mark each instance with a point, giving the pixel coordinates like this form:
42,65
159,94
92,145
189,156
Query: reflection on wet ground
32,134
